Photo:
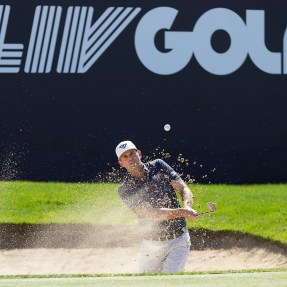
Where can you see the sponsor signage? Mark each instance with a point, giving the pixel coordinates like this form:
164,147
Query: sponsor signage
83,40
78,77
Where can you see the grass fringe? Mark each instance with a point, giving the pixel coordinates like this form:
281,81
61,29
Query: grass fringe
140,274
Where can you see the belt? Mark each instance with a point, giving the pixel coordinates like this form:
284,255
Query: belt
167,237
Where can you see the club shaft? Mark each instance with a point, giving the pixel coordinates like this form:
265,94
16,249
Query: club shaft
204,212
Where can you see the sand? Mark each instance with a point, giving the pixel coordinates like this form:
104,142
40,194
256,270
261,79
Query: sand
99,250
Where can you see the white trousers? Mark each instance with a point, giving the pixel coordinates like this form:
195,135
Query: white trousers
164,256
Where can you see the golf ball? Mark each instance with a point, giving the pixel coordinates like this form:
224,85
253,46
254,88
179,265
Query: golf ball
167,127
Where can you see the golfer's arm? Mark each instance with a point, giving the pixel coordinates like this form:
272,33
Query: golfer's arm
145,210
180,186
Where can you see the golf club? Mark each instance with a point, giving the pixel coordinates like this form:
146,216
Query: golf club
210,206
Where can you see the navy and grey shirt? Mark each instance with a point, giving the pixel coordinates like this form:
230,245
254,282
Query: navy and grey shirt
155,189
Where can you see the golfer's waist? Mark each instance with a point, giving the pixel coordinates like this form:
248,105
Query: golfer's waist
165,237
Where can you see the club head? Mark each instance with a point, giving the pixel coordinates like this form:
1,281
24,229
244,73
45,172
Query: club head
211,206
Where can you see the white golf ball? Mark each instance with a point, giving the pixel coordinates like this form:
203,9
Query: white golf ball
167,127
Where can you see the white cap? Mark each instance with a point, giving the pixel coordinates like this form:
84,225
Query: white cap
124,146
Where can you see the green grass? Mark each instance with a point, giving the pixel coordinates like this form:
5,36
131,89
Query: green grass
282,269
262,279
255,209
42,203
259,210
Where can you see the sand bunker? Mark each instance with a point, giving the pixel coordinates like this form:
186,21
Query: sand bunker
75,249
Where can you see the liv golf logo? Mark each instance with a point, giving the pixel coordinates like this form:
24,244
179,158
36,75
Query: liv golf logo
83,41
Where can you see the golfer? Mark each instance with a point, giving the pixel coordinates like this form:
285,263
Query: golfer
149,191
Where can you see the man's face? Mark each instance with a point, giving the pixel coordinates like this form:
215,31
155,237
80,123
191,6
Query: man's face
130,159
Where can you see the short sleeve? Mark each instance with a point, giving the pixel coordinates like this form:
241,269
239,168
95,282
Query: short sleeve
167,169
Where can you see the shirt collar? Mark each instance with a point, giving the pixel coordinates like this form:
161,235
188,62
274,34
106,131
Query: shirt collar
130,178
146,169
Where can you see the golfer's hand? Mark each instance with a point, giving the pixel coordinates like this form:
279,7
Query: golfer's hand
190,213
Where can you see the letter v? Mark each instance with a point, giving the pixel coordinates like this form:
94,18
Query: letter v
83,42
